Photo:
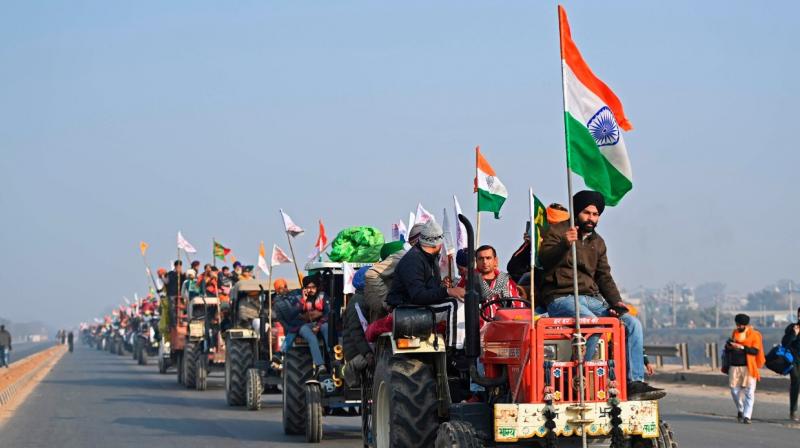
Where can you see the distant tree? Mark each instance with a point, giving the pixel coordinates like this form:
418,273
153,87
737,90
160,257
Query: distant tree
769,299
706,294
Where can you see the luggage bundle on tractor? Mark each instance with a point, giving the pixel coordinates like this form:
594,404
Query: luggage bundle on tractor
533,393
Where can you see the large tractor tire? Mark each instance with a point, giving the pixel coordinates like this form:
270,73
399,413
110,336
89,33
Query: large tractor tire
297,369
238,358
201,382
457,434
190,354
313,413
143,355
254,389
163,363
404,404
179,365
120,348
665,439
137,344
367,434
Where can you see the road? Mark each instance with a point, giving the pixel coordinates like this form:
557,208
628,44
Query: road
92,398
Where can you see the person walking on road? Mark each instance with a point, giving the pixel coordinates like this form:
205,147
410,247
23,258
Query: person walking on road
746,355
791,340
70,340
5,346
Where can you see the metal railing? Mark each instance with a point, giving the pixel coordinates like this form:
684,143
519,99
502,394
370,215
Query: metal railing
681,351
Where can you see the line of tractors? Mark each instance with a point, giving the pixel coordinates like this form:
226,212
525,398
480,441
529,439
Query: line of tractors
421,390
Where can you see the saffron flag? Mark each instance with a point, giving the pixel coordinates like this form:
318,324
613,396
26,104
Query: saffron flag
593,120
183,244
262,260
143,247
220,251
279,256
322,242
291,228
491,192
538,217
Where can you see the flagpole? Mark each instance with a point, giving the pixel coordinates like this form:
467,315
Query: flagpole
269,302
477,202
213,251
578,338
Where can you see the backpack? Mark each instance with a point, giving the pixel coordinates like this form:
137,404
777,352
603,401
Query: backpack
780,360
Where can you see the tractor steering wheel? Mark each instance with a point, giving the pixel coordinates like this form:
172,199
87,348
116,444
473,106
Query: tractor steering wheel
503,302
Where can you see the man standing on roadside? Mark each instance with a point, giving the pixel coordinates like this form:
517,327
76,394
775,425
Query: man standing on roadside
5,346
791,340
746,353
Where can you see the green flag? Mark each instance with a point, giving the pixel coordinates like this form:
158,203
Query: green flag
538,216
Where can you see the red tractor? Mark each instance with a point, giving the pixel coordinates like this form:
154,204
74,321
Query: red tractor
533,394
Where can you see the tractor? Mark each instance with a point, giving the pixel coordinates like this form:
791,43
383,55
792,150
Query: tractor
204,346
306,399
248,371
533,392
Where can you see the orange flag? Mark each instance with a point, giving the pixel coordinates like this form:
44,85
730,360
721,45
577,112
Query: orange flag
143,247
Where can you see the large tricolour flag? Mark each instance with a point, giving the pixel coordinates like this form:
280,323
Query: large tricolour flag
491,192
593,116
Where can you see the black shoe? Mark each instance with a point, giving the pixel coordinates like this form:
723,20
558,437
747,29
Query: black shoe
320,371
746,421
641,391
739,417
277,358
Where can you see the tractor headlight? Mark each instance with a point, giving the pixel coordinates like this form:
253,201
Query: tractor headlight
550,352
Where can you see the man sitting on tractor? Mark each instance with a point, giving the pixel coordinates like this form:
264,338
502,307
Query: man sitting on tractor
598,294
286,310
314,307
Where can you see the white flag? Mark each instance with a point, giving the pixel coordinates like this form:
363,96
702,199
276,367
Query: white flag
444,259
448,235
183,244
291,228
399,231
262,261
279,256
461,231
348,272
126,300
423,215
412,219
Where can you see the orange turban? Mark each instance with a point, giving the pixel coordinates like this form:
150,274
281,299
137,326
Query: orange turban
280,283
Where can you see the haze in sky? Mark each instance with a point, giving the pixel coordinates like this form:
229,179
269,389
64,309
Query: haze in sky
128,122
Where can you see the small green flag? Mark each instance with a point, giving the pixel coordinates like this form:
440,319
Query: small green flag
538,225
220,251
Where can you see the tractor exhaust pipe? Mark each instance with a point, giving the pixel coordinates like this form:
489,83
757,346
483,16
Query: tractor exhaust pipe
472,341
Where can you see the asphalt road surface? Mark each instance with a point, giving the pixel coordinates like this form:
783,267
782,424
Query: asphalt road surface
92,398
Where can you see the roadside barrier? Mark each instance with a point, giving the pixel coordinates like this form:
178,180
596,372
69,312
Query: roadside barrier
20,373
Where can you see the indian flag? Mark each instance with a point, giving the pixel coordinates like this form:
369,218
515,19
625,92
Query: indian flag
491,192
593,117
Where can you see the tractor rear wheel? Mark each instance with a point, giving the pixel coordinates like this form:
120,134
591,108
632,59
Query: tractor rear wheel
296,371
190,355
404,404
313,413
254,389
457,434
179,365
238,358
665,439
201,381
367,433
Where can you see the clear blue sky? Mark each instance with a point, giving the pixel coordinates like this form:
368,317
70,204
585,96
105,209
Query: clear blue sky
122,122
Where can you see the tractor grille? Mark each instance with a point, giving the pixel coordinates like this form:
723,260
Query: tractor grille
564,377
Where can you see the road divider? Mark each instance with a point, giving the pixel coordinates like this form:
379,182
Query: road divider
20,373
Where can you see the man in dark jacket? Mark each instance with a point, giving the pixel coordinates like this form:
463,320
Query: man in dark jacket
791,340
174,279
417,278
598,293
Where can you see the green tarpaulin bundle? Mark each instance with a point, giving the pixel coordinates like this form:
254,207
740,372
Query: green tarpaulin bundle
357,245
